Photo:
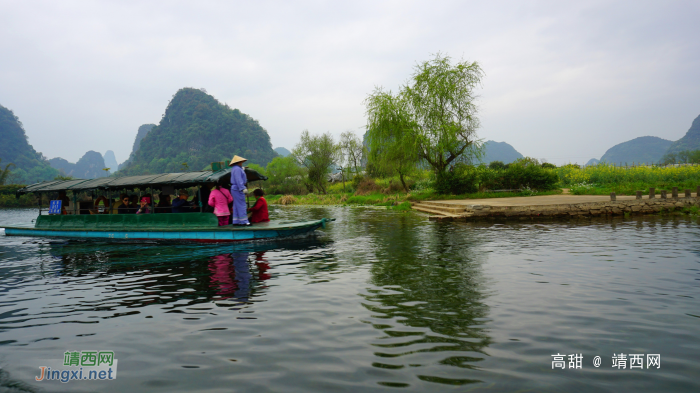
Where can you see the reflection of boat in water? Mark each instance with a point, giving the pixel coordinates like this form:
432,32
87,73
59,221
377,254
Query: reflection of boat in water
135,275
231,275
198,226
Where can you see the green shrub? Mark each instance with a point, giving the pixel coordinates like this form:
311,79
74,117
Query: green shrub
527,173
8,198
337,188
356,180
497,165
287,187
463,179
10,189
26,200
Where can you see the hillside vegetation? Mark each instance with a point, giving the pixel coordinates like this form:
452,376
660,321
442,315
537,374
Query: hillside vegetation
143,130
690,141
29,165
645,149
195,131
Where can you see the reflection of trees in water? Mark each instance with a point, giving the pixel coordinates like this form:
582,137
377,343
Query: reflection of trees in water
430,294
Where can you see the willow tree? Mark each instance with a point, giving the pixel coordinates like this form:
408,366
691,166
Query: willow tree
391,148
433,115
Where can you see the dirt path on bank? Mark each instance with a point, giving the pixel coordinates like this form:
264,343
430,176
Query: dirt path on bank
563,199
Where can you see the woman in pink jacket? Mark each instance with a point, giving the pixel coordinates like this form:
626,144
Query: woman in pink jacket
219,199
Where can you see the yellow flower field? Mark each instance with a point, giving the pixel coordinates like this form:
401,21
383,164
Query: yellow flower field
604,174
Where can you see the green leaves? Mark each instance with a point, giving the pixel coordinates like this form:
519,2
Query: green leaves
432,118
5,173
352,151
317,153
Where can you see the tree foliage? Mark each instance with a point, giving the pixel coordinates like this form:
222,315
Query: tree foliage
525,172
392,146
5,173
198,129
316,153
352,151
285,176
681,157
434,114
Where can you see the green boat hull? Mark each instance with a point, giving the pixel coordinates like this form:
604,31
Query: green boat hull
196,227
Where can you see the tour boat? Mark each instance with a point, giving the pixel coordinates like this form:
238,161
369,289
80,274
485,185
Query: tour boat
89,222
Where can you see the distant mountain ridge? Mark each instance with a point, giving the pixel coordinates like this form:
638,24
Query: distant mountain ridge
110,161
282,151
90,166
140,134
499,151
30,165
645,149
690,141
195,131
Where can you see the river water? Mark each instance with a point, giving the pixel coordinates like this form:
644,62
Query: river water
378,301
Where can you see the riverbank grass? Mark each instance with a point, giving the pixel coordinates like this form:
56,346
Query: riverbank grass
398,201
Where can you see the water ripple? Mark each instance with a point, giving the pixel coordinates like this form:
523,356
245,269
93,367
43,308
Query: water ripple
378,301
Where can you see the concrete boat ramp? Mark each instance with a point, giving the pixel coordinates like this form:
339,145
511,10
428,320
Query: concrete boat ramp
563,205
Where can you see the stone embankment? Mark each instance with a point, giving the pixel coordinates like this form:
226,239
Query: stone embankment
557,206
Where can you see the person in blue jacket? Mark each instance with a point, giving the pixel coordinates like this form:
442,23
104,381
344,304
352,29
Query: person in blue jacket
239,184
181,204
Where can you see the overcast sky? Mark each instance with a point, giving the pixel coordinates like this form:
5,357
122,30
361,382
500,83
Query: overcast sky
564,80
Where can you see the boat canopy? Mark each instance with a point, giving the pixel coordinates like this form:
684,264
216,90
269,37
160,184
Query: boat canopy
185,179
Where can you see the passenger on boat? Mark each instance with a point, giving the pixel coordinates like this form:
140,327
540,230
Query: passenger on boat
238,191
105,204
86,206
124,208
116,203
195,204
133,203
164,205
259,210
145,205
205,191
65,201
219,198
181,204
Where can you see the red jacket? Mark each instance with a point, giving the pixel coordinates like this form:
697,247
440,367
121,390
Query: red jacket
259,211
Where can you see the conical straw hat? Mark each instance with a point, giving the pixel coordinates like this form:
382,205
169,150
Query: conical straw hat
237,159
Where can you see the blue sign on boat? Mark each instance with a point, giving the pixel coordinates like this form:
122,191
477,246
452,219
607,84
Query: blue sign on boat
55,206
